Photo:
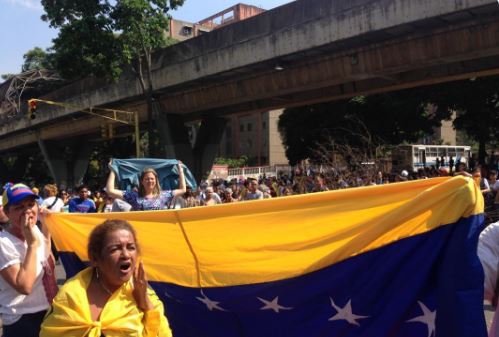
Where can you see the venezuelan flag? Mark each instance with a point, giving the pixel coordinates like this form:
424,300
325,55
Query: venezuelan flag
395,260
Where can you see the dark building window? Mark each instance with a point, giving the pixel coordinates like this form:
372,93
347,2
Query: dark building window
241,127
187,31
250,126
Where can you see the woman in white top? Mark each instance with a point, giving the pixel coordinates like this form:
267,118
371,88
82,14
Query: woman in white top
52,201
27,281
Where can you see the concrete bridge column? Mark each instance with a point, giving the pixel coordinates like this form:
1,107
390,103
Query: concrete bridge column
53,154
67,168
174,138
175,141
207,143
79,159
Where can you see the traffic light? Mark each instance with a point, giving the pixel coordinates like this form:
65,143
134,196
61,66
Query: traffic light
31,109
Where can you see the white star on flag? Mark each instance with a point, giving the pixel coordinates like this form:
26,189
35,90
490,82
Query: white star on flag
209,303
345,313
428,318
171,297
273,305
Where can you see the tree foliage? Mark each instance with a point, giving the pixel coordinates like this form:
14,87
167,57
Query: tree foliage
477,104
7,76
37,58
232,162
100,37
389,118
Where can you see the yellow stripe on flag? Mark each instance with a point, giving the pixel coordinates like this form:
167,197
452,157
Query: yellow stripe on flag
274,239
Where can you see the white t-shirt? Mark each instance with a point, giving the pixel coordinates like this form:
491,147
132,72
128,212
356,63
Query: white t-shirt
12,303
59,204
488,252
495,186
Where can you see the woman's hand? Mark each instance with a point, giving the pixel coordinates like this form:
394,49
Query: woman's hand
42,215
28,219
181,181
140,289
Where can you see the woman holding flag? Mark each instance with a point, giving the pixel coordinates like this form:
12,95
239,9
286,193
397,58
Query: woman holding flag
150,196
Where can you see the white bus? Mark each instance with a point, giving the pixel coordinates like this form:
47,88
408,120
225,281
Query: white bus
420,156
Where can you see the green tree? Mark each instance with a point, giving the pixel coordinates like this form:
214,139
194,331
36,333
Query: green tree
101,37
232,162
5,77
477,104
36,58
386,118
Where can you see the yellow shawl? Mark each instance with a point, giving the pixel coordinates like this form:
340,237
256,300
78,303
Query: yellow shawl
120,317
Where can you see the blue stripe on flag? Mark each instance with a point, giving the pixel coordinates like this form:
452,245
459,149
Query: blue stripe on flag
392,291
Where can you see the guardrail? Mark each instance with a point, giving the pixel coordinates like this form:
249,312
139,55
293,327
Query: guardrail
257,171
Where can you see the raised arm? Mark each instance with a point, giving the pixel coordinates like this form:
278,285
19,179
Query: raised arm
181,181
110,190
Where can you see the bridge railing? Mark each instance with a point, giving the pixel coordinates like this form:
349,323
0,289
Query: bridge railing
257,171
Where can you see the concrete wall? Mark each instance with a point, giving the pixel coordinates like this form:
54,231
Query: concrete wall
298,26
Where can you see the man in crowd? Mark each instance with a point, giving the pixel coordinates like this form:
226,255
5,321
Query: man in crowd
253,193
82,204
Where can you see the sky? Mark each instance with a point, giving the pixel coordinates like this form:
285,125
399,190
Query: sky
21,28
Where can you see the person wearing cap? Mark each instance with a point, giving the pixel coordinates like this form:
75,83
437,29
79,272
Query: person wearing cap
27,281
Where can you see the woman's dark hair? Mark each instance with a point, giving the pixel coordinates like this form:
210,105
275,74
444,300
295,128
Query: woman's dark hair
98,237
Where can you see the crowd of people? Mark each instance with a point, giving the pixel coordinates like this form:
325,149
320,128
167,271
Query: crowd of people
149,196
113,290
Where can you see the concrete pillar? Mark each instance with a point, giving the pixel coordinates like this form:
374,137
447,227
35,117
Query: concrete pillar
66,168
174,138
80,160
175,141
207,143
54,156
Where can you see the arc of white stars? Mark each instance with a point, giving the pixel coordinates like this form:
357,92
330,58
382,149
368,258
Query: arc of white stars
345,313
273,305
427,318
211,305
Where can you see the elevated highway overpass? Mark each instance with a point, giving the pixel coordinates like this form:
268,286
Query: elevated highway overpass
304,52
